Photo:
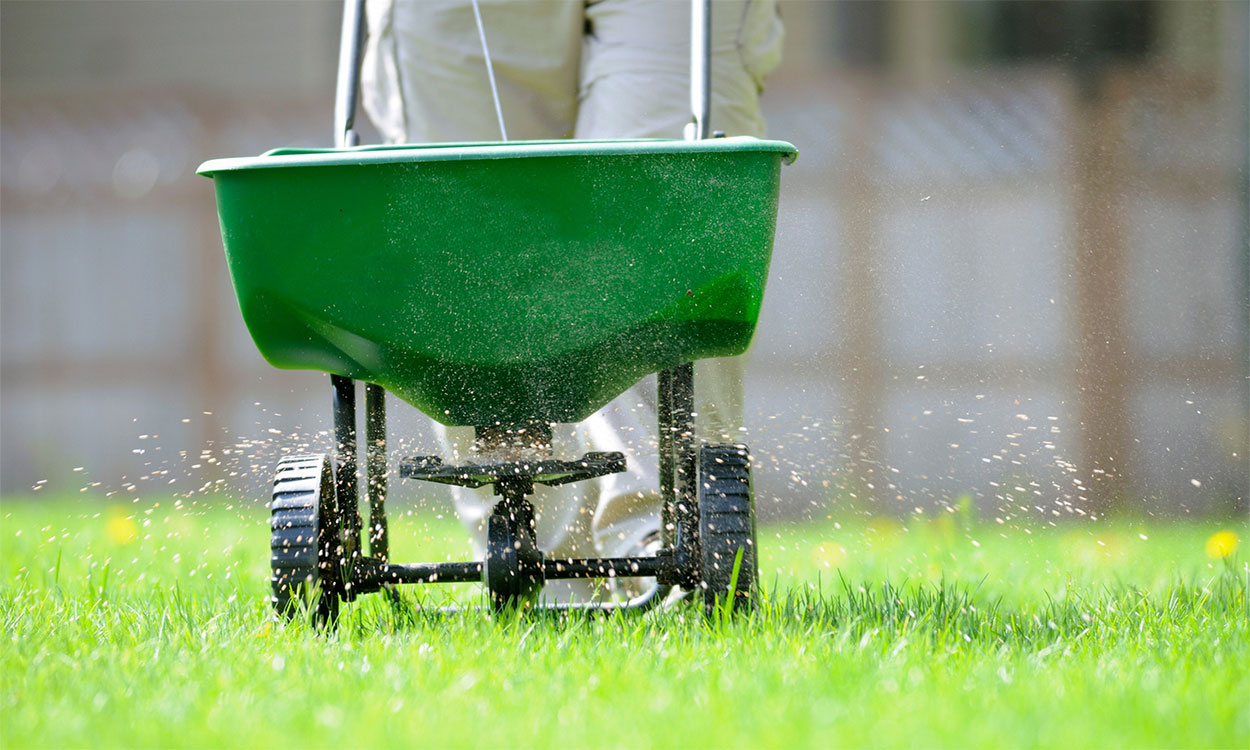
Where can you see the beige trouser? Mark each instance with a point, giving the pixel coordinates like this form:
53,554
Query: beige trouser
586,70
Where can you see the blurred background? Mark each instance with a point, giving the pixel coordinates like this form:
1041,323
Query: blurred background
1011,266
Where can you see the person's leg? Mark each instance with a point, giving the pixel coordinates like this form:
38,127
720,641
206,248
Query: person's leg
424,77
635,83
635,73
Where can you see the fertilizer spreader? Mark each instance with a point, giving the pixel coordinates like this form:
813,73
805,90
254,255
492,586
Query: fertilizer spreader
507,287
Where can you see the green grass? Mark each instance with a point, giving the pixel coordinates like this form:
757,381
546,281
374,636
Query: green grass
147,626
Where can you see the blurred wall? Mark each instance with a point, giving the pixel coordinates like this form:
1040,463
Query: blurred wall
1011,261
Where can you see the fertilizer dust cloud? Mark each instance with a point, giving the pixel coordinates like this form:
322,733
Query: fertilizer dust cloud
1003,469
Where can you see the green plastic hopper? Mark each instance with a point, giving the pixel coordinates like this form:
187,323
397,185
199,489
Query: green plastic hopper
501,282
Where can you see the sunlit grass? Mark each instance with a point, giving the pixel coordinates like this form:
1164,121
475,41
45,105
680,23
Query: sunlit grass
147,625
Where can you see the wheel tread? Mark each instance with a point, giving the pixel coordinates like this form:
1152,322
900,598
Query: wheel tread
299,521
727,523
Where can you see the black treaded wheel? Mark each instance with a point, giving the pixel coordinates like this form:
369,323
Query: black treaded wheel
726,525
306,546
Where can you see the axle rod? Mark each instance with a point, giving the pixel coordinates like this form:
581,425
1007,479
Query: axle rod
447,572
602,567
471,572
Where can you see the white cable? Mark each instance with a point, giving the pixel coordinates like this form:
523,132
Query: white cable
490,70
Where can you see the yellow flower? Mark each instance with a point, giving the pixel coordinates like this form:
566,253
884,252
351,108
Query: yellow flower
120,529
1222,544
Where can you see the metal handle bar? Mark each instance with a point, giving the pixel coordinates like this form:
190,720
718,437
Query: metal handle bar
700,69
347,89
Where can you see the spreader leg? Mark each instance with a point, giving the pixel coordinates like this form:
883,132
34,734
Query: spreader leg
668,488
680,511
375,469
345,460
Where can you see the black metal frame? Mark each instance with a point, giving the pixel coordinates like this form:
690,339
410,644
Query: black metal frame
547,471
523,572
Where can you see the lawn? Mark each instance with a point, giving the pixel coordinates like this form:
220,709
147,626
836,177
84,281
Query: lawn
146,625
